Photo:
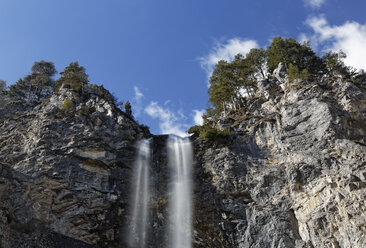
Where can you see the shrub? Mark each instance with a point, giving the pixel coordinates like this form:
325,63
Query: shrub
74,75
294,73
214,134
128,108
209,133
67,106
195,129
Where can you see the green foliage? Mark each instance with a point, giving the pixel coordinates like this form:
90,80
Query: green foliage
289,51
230,79
208,133
295,73
73,75
128,108
256,58
19,90
3,93
335,65
214,134
36,86
67,107
195,129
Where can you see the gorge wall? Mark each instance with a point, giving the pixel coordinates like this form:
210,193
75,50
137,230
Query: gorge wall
291,174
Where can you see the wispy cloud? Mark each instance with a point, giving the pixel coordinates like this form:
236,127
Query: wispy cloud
314,3
138,93
226,51
137,101
198,120
349,37
169,122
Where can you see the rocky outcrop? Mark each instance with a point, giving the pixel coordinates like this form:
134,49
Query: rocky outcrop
63,173
292,173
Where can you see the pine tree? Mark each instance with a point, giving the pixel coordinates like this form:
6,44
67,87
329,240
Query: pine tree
74,75
3,93
36,86
289,51
128,108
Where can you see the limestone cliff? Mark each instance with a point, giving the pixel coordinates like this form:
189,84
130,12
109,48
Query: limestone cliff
63,173
291,174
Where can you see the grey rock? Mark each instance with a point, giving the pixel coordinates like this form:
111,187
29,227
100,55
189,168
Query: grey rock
291,174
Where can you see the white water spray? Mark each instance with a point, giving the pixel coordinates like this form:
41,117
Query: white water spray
140,207
180,204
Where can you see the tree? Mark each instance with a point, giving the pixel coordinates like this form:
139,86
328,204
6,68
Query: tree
74,75
245,73
289,51
222,86
232,82
128,108
3,92
19,90
334,64
41,79
294,73
36,86
257,59
2,86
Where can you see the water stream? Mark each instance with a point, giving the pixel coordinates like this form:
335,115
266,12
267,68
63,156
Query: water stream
179,196
180,200
140,195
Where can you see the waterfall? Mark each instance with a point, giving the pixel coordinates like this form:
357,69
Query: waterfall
140,197
180,212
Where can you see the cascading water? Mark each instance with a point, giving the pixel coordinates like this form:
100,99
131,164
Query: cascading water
180,202
137,237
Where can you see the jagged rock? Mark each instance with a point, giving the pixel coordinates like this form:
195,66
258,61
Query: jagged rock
65,173
280,73
291,174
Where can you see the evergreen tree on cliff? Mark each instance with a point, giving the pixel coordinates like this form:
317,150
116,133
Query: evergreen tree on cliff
3,92
290,52
73,75
233,83
128,108
36,86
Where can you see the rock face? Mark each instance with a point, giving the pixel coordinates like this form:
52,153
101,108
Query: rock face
63,173
291,174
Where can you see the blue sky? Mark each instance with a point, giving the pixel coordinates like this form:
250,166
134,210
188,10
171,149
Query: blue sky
158,53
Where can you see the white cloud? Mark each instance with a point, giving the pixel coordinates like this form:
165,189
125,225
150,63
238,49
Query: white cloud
303,38
138,93
198,120
349,37
226,52
169,122
137,101
314,3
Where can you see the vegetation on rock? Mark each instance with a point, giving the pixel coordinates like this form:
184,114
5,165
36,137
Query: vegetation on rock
128,108
3,90
233,84
73,75
208,133
36,86
67,107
